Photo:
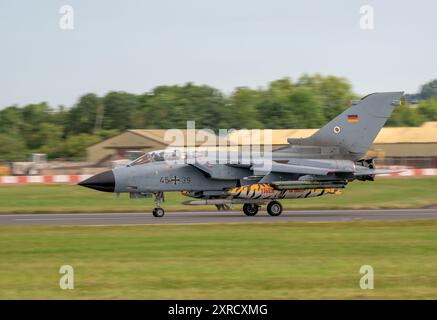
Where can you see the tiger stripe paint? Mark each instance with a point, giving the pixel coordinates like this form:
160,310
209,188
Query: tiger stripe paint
267,191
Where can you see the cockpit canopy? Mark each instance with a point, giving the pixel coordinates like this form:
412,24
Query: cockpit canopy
158,155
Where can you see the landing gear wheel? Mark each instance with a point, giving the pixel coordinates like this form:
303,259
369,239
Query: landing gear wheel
158,212
250,209
274,208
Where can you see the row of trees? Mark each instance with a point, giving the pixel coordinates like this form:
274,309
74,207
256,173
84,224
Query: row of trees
309,102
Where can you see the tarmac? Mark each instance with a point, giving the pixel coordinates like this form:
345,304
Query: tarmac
109,219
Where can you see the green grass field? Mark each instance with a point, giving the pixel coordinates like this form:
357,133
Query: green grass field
383,193
233,261
252,261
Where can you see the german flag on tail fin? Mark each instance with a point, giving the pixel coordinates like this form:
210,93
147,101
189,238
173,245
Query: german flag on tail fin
353,118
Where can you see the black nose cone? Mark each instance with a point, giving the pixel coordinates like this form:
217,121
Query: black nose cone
103,182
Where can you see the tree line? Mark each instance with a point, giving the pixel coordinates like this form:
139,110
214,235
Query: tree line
308,102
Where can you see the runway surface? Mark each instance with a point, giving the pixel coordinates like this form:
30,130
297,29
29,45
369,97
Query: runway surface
213,217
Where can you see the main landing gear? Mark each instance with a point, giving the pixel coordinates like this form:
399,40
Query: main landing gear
158,211
250,209
274,208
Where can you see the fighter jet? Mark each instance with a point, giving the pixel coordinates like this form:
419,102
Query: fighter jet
321,164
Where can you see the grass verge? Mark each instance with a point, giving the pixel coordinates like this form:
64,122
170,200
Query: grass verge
233,261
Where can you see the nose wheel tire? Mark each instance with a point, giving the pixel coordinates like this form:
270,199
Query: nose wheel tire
274,208
250,209
158,212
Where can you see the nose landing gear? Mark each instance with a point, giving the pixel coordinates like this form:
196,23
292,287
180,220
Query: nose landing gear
158,211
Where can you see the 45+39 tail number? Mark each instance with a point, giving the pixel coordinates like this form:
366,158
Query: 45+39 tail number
175,180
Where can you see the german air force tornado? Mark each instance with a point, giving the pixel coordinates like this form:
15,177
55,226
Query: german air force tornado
321,164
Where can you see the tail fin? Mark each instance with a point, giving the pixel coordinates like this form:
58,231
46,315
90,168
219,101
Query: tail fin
354,130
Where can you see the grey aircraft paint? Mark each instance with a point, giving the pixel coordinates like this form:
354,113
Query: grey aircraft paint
318,165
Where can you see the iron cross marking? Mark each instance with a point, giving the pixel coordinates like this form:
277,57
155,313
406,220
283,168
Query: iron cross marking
175,179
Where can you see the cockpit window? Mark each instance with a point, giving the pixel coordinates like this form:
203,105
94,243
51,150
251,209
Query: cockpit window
145,158
154,156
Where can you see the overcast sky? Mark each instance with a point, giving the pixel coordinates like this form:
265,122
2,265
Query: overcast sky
136,45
